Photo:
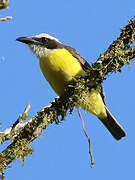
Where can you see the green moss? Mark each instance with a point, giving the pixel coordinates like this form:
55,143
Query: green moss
117,55
21,150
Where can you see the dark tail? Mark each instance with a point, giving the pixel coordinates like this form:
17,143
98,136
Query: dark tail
113,126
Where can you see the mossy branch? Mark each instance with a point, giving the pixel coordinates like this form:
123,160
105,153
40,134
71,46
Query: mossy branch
118,54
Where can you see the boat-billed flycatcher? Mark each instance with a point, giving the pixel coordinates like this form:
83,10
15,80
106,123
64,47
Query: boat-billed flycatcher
60,64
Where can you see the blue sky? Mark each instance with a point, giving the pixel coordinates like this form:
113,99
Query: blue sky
62,150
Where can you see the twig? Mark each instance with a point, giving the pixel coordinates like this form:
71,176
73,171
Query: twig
21,117
5,18
119,54
89,141
11,132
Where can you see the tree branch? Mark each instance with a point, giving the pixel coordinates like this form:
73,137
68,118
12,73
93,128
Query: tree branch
5,18
4,4
23,133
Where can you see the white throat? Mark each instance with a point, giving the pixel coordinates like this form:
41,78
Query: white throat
40,51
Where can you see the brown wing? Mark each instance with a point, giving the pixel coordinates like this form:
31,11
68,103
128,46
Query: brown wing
85,65
81,60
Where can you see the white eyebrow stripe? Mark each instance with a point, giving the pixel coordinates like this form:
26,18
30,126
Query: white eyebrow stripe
47,36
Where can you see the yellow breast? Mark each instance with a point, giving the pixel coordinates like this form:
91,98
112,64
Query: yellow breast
59,68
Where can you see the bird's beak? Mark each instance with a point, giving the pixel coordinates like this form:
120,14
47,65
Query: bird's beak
26,40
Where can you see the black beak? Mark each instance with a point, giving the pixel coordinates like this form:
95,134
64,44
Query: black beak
26,40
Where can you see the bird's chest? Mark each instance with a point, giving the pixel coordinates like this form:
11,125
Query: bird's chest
59,68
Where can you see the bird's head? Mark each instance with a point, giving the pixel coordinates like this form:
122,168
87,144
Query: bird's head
41,44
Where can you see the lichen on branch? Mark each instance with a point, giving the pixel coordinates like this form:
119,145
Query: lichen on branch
117,55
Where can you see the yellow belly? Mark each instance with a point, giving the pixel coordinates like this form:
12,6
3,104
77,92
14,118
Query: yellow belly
59,68
93,103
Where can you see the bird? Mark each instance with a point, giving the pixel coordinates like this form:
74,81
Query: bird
60,64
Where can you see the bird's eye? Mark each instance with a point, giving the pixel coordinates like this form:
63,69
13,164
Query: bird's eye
44,40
